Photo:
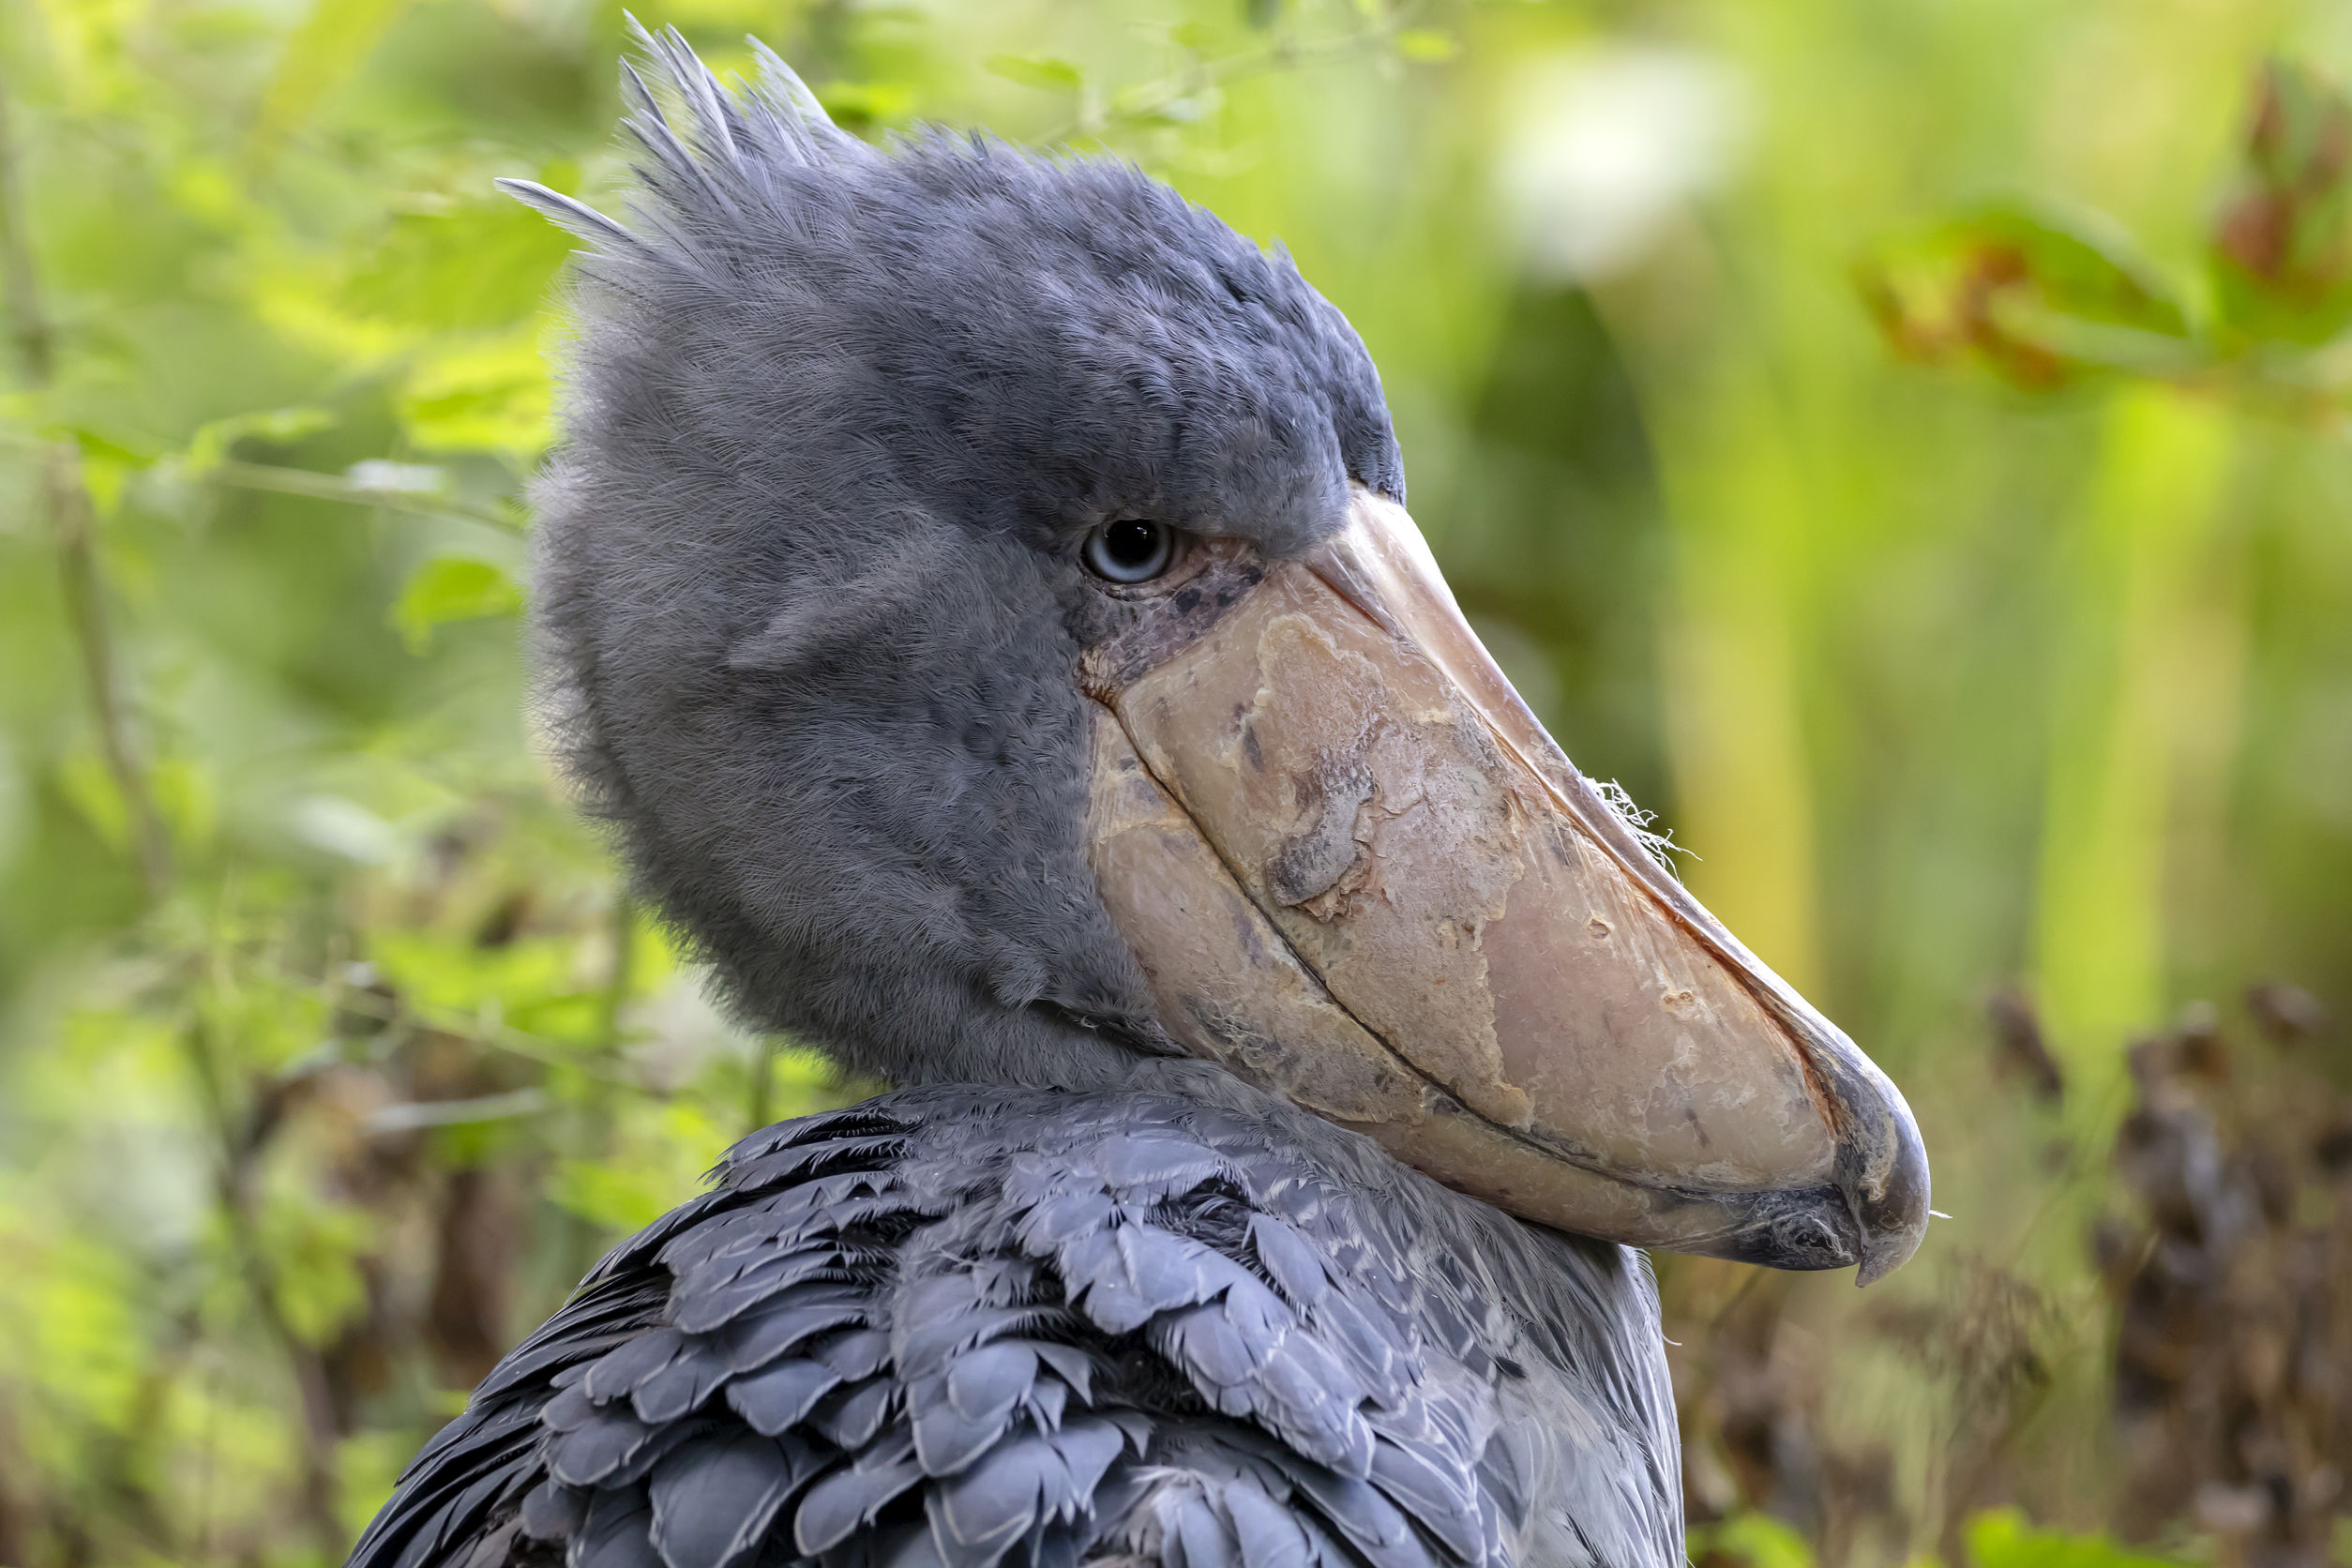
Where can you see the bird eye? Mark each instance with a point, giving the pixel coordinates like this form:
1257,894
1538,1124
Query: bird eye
1131,550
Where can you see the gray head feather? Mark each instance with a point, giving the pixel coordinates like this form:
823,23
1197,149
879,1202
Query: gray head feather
807,607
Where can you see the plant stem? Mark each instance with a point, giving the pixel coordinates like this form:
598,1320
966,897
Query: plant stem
586,1240
329,487
36,340
239,1147
16,1518
619,978
65,499
761,1111
1280,54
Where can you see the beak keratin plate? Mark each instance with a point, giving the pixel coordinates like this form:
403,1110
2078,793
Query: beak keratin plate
1356,869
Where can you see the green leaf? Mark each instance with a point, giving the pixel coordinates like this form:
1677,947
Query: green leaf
315,1250
2281,248
532,984
1166,102
1756,1540
2001,1538
1057,76
2039,296
471,266
324,54
1427,45
214,442
452,588
97,446
83,781
865,107
479,395
104,479
619,1201
78,1336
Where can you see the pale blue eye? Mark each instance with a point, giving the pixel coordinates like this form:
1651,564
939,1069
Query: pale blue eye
1131,550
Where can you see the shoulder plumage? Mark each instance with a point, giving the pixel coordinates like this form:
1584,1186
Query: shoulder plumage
966,1329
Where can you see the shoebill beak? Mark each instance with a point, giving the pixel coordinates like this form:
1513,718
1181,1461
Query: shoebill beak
1356,871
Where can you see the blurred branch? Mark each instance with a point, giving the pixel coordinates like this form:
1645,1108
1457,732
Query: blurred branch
759,1111
584,1237
410,1115
315,486
615,995
17,1517
124,1457
594,1064
36,339
1145,101
65,499
329,487
239,1144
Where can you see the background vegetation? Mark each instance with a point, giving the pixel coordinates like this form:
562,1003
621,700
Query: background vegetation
1966,575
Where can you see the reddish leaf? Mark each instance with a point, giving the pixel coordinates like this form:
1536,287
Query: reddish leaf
2282,243
2039,298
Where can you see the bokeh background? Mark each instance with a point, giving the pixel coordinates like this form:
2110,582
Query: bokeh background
1899,441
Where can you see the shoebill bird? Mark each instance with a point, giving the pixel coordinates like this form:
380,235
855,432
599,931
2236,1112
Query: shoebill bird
977,589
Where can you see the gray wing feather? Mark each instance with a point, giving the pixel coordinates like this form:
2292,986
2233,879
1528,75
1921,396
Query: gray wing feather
951,1329
597,1452
848,1418
1267,1535
778,1397
713,1499
615,1533
849,1499
553,1511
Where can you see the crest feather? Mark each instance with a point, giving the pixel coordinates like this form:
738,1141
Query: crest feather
708,144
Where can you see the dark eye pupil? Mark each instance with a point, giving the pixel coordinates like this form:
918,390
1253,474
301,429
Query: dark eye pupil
1130,550
1133,543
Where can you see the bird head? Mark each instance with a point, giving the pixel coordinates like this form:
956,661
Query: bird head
978,588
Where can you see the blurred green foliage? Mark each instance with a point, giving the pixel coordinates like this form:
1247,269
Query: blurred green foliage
332,1052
